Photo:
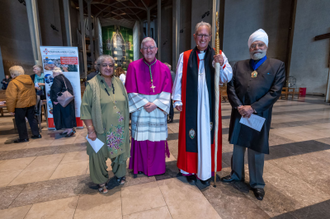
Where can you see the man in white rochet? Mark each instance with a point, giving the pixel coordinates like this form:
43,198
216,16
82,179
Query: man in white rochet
256,85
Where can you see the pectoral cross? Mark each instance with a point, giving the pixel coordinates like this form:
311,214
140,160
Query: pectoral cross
322,37
153,87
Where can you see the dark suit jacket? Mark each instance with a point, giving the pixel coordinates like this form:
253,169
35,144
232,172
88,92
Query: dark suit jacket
261,93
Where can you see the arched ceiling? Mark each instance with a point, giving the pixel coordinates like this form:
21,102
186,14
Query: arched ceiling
122,12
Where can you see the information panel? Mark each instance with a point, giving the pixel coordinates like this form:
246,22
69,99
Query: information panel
65,58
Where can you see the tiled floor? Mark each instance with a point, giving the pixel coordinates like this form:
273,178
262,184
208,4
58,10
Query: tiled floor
48,177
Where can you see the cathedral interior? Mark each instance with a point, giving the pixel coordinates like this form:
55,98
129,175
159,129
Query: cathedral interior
49,177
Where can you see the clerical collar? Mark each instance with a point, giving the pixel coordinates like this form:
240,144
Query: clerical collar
200,51
149,63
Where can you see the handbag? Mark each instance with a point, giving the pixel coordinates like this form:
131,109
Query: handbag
64,98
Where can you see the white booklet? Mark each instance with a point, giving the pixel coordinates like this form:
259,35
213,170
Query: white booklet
255,122
96,145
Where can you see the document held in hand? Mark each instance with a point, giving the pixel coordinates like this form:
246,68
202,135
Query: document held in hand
255,122
96,145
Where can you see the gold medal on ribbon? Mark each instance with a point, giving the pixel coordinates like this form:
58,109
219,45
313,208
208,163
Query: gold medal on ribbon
254,74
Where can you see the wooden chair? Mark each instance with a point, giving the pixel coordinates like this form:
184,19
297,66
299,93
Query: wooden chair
2,106
284,92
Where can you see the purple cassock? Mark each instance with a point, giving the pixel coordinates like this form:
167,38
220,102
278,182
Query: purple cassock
148,83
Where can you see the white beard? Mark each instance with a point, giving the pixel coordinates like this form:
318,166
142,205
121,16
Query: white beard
259,55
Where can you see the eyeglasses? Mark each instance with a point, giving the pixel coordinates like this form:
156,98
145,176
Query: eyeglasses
105,65
254,45
202,35
150,48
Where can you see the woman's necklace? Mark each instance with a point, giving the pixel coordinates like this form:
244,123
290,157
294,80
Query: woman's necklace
152,82
112,97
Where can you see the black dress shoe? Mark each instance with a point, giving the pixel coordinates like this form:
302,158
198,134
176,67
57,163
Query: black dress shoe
191,179
259,193
36,136
206,182
21,140
229,179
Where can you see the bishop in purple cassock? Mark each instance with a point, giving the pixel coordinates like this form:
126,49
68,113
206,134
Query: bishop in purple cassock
148,85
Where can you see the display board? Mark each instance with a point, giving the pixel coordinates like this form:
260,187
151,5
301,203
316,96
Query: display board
67,59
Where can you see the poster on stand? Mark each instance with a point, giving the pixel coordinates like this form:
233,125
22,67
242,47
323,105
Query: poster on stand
67,59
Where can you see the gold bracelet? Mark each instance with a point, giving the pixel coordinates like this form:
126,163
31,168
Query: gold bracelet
90,126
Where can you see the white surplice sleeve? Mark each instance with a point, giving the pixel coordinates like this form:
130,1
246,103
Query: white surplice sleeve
136,101
163,102
176,90
226,72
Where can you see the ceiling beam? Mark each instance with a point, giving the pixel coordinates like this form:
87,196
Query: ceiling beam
144,4
102,10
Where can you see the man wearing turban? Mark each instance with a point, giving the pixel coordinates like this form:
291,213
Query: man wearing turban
256,85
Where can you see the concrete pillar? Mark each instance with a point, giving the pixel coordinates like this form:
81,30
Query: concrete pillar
327,97
176,28
136,40
34,26
91,41
215,8
83,41
159,27
67,21
148,17
96,37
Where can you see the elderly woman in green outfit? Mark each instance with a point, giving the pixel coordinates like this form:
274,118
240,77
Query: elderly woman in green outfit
104,110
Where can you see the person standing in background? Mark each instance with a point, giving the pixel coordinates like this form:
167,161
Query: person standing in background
38,79
64,117
21,100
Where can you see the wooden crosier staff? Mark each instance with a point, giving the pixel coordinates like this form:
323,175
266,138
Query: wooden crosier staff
217,94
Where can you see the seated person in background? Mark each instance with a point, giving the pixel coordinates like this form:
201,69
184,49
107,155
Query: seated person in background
21,99
5,82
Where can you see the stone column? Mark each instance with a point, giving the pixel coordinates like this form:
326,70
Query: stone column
148,17
176,28
159,27
67,21
34,26
83,41
91,41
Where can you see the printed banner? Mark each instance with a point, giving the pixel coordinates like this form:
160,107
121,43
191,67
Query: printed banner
65,58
